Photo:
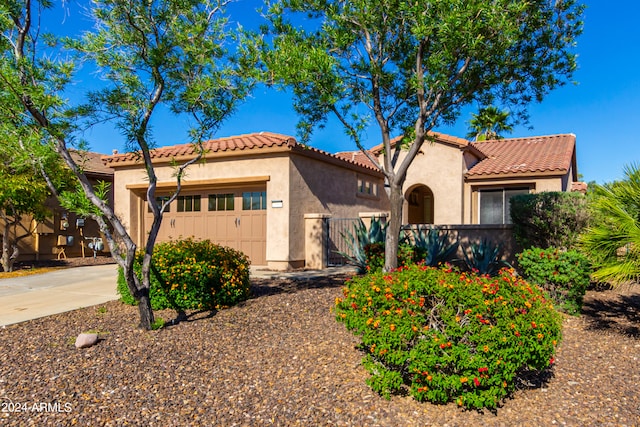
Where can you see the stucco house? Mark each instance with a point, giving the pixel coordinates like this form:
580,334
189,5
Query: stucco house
267,195
64,234
251,192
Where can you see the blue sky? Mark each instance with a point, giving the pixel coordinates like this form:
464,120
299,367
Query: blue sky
602,109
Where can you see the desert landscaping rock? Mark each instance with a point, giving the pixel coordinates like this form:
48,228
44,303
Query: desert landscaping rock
281,359
86,340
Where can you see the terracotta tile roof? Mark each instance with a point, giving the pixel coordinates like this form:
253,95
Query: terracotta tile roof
357,157
232,143
579,186
542,154
240,144
91,162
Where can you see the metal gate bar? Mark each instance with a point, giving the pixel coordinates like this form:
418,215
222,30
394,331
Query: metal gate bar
335,243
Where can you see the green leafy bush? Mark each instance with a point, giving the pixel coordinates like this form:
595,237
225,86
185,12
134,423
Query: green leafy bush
375,255
444,336
549,219
564,275
190,274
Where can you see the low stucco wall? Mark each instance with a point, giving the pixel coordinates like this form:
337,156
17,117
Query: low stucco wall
467,234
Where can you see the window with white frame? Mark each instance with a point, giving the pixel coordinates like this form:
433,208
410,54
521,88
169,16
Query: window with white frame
495,204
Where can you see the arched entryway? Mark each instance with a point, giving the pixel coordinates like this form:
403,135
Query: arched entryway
420,205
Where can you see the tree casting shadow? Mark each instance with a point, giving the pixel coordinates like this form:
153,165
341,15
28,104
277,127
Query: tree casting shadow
620,315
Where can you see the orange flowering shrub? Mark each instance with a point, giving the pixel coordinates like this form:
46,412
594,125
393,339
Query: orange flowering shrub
446,336
189,274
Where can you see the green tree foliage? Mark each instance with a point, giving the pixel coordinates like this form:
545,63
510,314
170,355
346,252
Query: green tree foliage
22,198
169,53
612,241
489,123
23,191
549,219
411,66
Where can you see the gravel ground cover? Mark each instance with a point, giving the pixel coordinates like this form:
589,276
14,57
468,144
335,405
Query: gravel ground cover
281,359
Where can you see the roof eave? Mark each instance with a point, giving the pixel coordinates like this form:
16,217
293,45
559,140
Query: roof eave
518,175
164,160
333,159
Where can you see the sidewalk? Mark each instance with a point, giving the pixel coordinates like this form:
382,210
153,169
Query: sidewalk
40,295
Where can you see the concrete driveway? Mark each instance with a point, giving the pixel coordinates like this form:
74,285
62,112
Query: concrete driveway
39,295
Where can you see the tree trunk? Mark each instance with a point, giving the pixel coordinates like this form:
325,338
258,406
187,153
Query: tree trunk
393,230
146,312
5,250
7,260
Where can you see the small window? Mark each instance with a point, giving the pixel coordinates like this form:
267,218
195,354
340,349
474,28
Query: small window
159,201
367,187
188,204
254,201
221,202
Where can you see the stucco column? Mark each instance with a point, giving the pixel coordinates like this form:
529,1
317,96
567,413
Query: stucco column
315,231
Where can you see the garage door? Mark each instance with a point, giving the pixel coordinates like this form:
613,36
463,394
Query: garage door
236,218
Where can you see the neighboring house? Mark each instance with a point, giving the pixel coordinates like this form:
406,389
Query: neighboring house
259,192
61,234
251,192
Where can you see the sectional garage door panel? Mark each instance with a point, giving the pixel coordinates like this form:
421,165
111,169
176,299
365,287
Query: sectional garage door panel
236,218
221,228
253,234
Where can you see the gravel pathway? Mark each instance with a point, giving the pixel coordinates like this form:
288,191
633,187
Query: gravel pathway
281,359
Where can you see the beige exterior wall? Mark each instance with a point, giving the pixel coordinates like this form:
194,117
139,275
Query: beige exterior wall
467,235
441,168
330,189
307,184
42,244
229,172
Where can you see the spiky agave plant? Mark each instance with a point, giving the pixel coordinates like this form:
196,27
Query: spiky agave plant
484,257
433,245
360,238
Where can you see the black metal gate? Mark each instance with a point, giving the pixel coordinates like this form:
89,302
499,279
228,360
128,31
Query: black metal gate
335,243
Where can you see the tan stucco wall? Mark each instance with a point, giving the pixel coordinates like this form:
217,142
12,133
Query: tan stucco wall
440,167
41,245
322,188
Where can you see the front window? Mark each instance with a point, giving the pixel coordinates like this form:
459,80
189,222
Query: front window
495,204
367,187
